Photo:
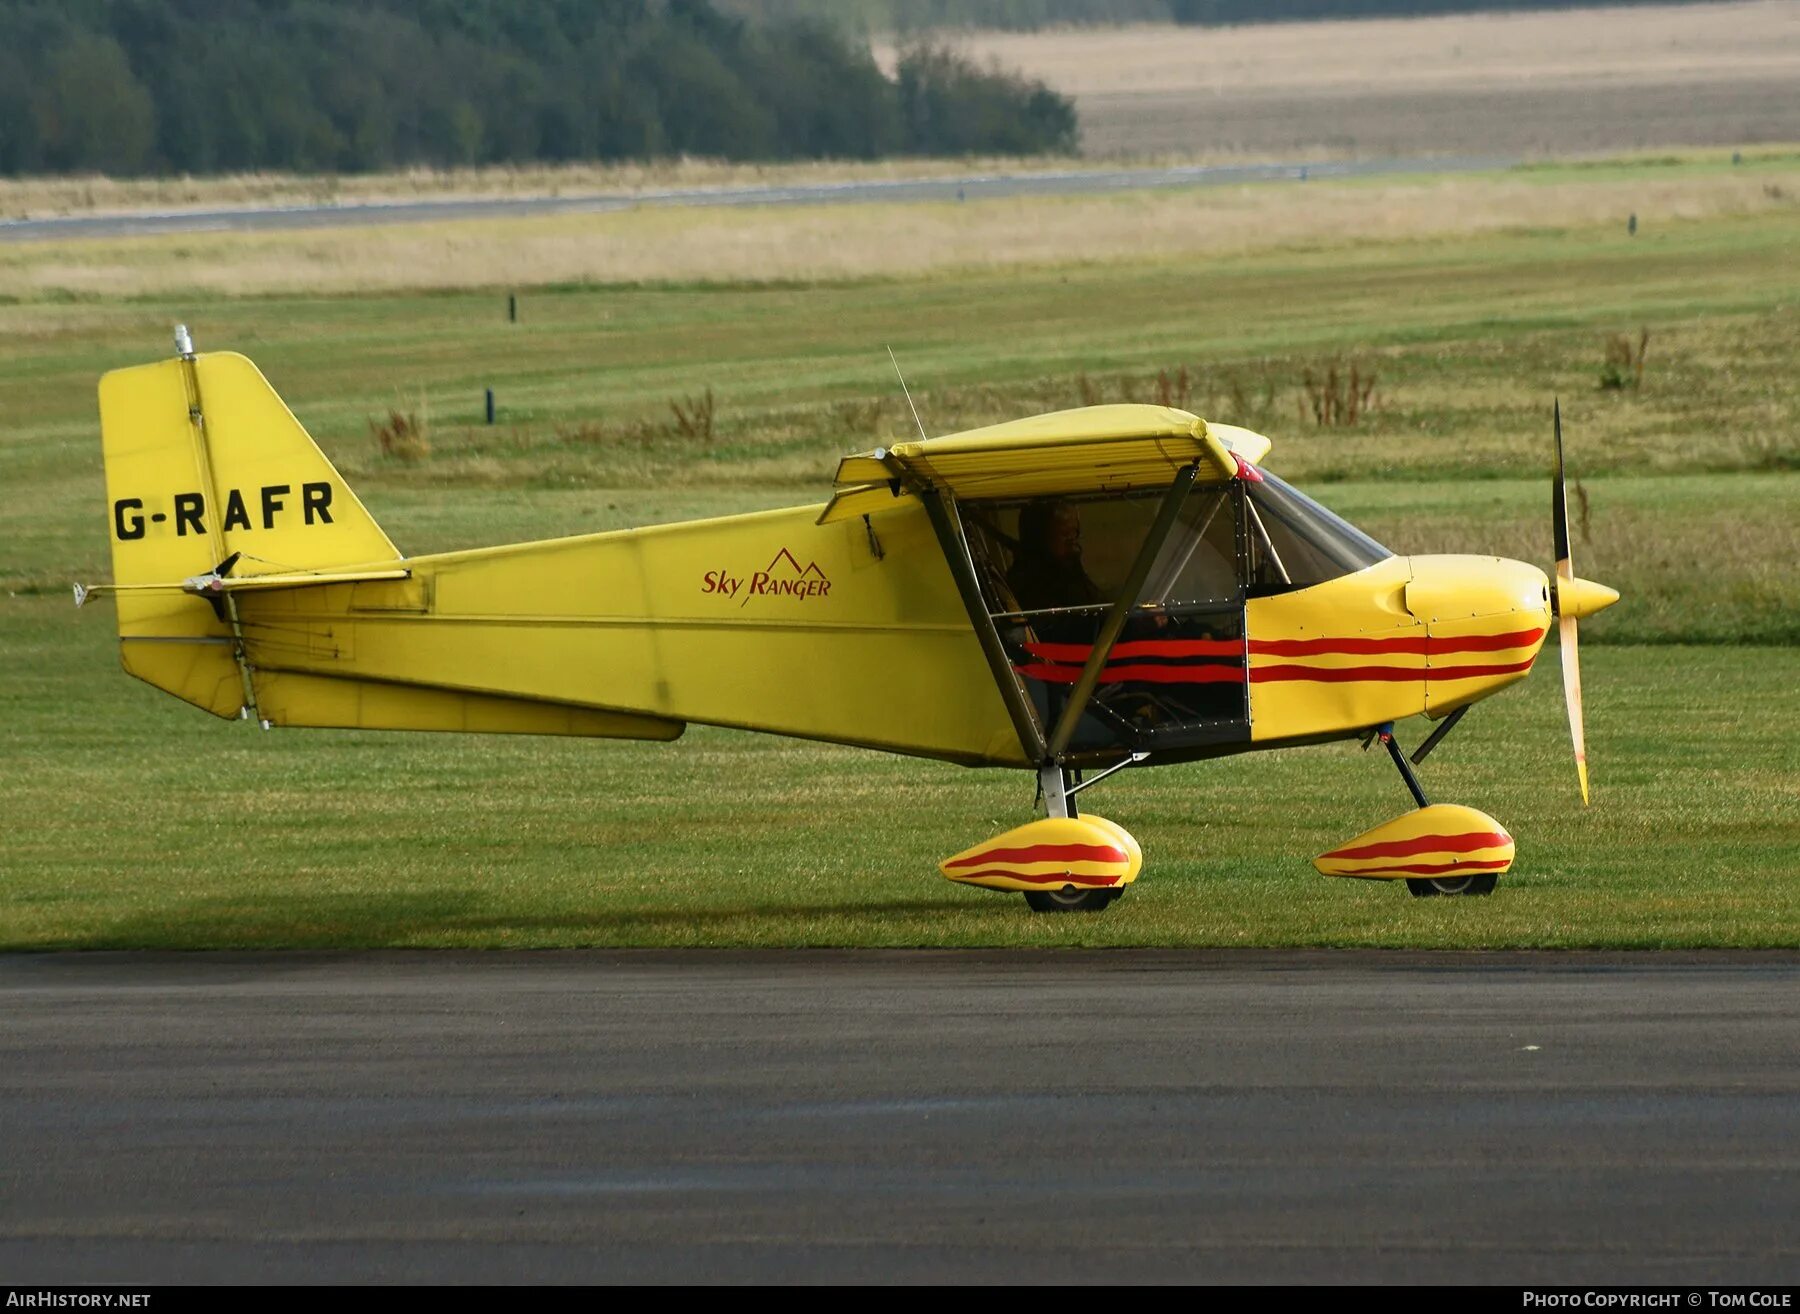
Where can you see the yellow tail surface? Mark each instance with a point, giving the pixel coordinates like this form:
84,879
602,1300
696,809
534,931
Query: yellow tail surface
204,460
205,463
208,471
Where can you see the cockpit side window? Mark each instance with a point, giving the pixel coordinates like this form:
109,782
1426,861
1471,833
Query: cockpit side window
1056,553
1052,569
1295,543
1198,566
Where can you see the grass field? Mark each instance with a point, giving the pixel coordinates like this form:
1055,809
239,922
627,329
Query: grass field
810,244
1535,82
126,818
49,196
145,823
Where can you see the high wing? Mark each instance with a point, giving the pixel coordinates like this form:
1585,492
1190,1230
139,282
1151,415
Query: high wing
1096,449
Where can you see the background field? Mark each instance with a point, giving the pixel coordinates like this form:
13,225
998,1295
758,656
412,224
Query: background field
1203,227
1489,86
129,819
1522,83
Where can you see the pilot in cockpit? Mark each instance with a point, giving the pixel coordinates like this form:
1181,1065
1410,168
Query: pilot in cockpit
1047,571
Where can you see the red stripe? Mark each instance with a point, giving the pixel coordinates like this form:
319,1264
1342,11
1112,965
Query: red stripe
1140,673
1143,674
1048,853
1050,674
1336,675
1180,648
1432,868
1246,470
1079,652
1472,672
1388,674
1486,642
1418,644
1466,843
1348,647
1344,647
1055,878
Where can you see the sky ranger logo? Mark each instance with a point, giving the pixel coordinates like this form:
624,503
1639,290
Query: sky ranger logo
784,578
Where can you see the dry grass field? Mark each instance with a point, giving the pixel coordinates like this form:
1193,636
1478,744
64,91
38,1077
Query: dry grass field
84,194
1529,83
776,244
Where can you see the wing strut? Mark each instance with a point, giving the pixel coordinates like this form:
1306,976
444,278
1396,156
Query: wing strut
1083,691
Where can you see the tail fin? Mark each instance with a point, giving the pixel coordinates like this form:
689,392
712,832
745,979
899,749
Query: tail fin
207,469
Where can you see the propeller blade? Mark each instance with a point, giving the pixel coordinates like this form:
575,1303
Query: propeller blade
1571,670
1559,506
1565,570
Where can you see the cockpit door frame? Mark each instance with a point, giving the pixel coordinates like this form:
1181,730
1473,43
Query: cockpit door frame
946,523
1082,692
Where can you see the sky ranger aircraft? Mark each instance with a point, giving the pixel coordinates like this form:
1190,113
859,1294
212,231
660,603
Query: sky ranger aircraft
1069,594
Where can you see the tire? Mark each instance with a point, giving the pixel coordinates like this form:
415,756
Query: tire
1453,886
1070,899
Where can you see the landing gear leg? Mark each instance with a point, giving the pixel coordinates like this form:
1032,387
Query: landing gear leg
1431,886
1386,734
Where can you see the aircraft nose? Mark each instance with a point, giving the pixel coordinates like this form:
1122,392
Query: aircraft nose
1580,598
1485,619
1449,590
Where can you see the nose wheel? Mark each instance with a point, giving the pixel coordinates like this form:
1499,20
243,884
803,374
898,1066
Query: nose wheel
1430,887
1070,899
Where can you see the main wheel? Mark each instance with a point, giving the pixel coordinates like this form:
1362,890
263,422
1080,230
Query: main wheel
1473,884
1070,899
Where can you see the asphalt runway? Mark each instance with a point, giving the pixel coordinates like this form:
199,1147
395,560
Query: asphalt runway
973,187
887,1116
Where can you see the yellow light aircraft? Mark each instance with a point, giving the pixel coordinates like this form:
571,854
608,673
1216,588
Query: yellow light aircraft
1069,594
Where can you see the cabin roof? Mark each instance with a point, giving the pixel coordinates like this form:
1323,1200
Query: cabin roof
1116,448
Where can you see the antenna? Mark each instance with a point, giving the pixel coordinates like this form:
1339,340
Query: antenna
908,392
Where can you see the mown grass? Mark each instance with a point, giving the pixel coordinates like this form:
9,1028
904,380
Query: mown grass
127,819
136,821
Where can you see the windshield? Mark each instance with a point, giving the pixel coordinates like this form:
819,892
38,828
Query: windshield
1296,543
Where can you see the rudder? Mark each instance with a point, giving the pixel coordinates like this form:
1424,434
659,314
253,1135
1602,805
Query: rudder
206,465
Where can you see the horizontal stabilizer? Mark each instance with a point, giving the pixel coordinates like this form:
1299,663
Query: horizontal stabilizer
216,585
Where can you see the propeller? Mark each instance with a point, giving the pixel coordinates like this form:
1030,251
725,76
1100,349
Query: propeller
1571,598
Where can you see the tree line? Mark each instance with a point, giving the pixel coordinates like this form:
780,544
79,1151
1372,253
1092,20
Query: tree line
204,86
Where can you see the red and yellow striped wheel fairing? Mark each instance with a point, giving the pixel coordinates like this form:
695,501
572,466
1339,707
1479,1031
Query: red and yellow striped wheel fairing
1089,853
1445,839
